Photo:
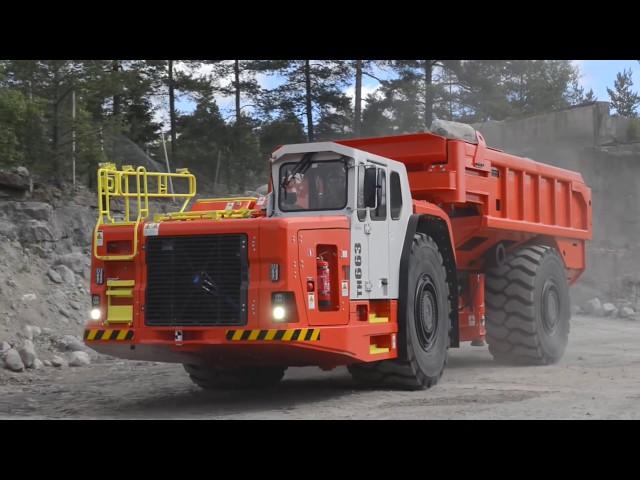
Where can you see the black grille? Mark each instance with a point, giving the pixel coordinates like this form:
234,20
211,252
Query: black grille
198,280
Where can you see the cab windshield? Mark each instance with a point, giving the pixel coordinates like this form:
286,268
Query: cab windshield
320,185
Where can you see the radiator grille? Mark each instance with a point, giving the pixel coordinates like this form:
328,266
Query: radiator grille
197,280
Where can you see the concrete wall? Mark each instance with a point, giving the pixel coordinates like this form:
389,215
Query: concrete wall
586,139
586,125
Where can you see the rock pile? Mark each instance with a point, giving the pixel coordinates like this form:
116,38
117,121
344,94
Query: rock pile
61,350
619,309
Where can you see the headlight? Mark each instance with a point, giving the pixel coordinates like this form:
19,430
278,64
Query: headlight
279,313
95,314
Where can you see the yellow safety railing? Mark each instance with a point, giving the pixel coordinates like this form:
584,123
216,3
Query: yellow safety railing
213,214
114,184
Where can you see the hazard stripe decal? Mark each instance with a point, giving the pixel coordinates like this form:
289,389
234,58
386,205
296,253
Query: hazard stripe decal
291,335
108,334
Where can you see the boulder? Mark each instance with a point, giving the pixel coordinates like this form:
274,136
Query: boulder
626,312
36,231
58,361
27,353
15,180
79,359
22,171
38,364
68,277
36,331
26,332
454,130
75,261
608,309
54,276
13,361
47,363
35,210
71,343
593,307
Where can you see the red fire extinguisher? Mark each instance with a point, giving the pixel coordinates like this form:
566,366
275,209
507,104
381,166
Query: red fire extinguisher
324,284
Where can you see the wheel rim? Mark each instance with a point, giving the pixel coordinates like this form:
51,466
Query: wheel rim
426,312
550,307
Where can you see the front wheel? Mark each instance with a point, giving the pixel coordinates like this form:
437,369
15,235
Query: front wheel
212,378
425,323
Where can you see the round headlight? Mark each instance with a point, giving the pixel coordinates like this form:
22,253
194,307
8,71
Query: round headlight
279,313
95,314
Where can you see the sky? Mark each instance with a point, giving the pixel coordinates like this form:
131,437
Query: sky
594,74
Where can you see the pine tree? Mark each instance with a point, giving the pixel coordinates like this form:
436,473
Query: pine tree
285,129
312,89
361,69
623,100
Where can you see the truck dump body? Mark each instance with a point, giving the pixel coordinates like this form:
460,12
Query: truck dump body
491,195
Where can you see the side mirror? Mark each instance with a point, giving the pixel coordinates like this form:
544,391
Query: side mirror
370,187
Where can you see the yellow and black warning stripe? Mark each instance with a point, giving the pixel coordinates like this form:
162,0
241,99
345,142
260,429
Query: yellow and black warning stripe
291,335
108,334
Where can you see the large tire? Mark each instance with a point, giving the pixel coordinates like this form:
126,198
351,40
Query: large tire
528,307
211,378
426,323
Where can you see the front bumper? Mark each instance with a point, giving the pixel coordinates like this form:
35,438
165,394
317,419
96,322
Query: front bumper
290,346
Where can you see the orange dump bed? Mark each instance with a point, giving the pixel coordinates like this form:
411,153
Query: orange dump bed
485,190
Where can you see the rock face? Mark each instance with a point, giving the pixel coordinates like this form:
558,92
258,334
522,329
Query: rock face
36,231
78,359
8,229
75,261
12,361
65,273
16,180
27,353
54,276
35,210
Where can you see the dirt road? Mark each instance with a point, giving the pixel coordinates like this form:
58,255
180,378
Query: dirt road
599,377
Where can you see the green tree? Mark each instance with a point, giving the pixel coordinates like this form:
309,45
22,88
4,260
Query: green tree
623,100
23,141
283,130
312,89
203,136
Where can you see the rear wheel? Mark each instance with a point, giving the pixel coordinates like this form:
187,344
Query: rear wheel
528,307
426,323
211,378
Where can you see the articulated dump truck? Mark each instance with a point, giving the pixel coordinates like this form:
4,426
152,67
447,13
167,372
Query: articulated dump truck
378,254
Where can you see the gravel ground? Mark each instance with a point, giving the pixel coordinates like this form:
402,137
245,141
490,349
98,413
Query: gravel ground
599,378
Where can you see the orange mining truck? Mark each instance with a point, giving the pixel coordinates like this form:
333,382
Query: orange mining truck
376,253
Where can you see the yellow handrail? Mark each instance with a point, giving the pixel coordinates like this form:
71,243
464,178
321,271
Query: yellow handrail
114,183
